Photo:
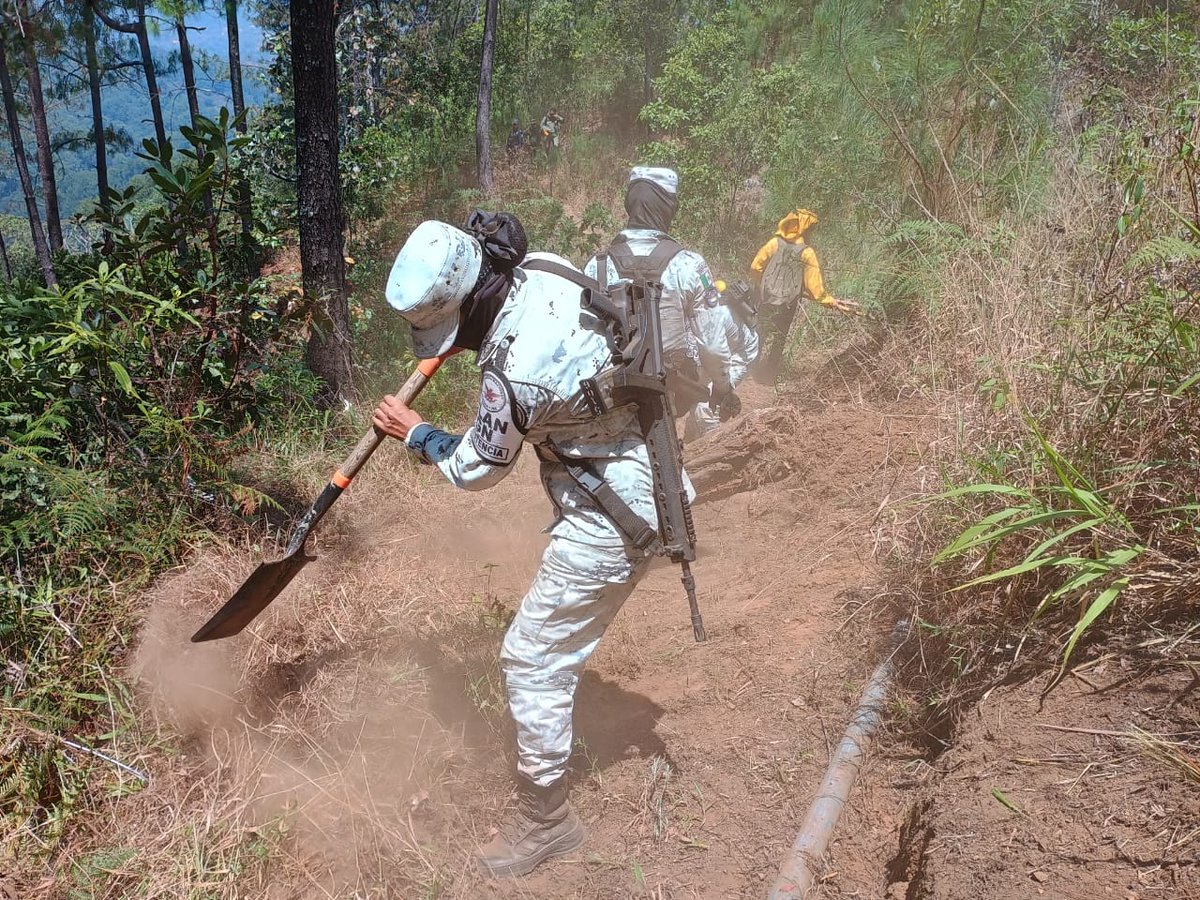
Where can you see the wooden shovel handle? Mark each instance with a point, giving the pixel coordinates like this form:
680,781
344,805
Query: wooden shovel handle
372,439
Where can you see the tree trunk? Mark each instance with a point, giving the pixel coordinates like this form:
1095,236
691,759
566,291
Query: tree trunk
647,80
14,132
318,189
93,65
189,70
239,109
41,131
193,98
160,127
138,29
4,258
483,108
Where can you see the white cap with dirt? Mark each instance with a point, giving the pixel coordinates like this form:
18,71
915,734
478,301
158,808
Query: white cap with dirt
433,274
667,179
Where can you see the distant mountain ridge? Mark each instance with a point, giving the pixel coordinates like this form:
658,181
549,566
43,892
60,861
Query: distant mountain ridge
126,107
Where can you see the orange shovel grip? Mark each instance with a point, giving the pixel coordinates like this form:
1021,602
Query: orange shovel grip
428,367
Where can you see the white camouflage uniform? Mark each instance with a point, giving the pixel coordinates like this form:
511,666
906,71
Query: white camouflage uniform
719,327
688,284
533,359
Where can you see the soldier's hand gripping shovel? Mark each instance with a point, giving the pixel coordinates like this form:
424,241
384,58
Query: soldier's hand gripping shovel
270,578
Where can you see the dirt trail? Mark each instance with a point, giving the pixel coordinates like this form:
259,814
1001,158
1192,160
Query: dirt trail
364,711
746,721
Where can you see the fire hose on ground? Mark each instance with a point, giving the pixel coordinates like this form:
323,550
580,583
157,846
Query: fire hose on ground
799,870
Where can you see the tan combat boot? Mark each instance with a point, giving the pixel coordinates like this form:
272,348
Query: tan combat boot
542,827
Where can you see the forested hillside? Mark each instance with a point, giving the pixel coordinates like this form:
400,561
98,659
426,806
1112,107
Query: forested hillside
195,236
123,97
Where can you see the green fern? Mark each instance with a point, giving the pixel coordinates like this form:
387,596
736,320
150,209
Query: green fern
1162,249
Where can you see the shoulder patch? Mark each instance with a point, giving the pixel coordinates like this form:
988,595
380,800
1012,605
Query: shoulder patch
710,294
497,433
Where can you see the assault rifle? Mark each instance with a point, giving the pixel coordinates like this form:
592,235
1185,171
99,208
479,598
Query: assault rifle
639,377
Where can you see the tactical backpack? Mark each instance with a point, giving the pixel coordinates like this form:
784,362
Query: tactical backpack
637,376
684,380
783,278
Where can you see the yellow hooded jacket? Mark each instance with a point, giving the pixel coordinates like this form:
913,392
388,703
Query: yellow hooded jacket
791,229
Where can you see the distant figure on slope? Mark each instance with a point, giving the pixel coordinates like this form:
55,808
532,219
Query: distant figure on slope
697,369
517,139
786,270
551,123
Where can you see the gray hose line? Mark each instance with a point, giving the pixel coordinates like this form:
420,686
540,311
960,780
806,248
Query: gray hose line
797,874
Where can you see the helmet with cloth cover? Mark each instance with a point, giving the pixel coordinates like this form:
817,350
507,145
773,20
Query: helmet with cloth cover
433,274
449,283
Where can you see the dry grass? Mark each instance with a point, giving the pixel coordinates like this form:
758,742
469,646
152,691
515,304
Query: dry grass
1054,352
330,750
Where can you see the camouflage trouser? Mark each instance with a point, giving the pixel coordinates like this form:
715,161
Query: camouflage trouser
703,418
576,593
744,358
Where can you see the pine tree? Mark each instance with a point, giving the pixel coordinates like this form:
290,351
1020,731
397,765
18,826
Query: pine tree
239,109
483,108
98,136
137,28
41,248
31,32
318,189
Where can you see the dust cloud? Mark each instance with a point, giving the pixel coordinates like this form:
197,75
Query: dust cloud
349,709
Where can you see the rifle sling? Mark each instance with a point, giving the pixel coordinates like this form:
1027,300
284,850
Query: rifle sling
572,275
636,529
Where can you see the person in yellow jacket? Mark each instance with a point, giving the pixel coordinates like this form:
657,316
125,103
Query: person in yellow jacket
786,270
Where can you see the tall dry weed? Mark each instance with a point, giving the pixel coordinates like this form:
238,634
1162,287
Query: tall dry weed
1065,351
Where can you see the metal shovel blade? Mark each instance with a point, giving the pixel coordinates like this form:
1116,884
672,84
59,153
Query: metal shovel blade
256,593
270,578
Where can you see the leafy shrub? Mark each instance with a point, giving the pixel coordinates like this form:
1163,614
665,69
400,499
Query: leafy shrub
1142,45
124,396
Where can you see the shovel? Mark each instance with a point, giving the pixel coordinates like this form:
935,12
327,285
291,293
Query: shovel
270,578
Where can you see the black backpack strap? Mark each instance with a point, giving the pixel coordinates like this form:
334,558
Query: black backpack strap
623,259
667,250
643,268
572,275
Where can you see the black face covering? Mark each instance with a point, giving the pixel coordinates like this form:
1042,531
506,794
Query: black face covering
650,206
502,239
